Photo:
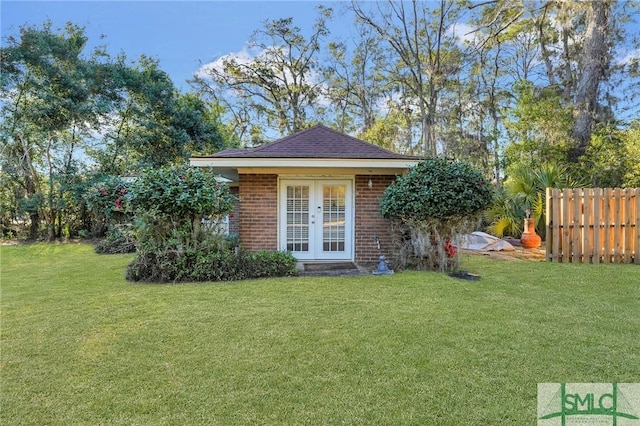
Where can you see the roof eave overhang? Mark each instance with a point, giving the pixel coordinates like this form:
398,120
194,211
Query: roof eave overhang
228,167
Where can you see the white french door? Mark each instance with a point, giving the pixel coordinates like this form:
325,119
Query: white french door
316,219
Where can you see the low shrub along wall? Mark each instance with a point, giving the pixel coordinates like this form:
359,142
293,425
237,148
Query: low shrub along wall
193,265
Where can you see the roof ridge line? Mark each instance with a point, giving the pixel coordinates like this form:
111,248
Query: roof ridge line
300,132
318,141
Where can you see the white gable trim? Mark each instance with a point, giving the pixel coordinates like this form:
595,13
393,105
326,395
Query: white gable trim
302,162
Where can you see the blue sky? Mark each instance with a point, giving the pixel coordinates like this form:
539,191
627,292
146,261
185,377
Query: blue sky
182,35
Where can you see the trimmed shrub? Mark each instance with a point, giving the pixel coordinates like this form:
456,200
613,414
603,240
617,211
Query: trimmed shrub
437,189
222,265
180,194
429,206
176,211
173,205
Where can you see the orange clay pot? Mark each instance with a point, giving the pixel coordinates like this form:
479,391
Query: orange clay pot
529,238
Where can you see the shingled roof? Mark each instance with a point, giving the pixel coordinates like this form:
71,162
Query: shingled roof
315,142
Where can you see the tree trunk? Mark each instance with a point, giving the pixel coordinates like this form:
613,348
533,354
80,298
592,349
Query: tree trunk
31,186
59,224
431,148
34,226
50,212
595,60
546,55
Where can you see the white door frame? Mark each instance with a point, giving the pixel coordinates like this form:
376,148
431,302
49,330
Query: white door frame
315,224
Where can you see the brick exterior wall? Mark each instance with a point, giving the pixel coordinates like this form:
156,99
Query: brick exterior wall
258,220
257,215
369,221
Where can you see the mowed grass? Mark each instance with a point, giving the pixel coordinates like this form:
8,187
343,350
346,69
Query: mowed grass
80,345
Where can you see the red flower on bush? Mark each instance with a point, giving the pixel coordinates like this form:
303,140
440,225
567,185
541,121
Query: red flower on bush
118,204
103,191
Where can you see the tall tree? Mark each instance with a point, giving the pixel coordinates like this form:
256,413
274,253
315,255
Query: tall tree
280,86
154,124
595,60
422,39
539,126
355,83
51,97
503,50
572,55
65,108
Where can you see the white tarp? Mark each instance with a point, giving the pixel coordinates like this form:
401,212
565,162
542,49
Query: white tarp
484,241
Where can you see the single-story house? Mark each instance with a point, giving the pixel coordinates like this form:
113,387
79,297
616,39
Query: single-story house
315,193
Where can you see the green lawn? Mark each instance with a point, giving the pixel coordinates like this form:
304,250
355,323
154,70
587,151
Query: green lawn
80,345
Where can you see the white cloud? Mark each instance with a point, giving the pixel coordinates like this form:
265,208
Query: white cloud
464,33
244,56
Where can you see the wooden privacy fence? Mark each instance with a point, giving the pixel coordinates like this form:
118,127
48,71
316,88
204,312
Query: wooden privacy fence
593,225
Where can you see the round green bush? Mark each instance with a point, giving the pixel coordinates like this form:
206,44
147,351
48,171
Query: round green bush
437,189
180,192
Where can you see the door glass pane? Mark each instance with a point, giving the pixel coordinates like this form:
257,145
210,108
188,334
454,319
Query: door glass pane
333,217
297,218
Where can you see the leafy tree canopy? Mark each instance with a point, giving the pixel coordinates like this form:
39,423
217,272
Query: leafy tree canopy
66,110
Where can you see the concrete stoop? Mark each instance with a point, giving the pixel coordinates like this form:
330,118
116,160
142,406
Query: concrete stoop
331,269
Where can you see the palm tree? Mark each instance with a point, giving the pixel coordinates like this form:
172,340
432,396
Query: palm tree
523,194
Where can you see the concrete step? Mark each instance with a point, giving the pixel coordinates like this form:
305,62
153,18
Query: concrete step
331,269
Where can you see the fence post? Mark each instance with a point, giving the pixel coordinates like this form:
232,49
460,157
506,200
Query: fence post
557,231
576,241
597,224
628,225
587,226
549,224
566,226
617,227
606,213
636,228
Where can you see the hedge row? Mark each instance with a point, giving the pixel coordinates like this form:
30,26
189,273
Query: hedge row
174,266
